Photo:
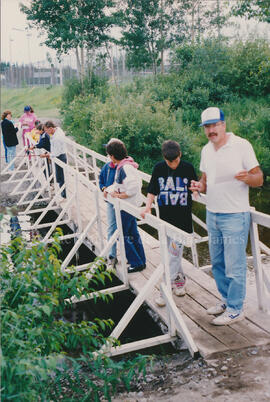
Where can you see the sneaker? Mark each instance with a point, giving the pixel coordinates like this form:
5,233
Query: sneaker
160,302
228,318
219,308
178,285
136,269
112,263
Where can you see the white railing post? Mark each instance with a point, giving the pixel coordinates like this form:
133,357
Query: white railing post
163,242
99,221
95,169
194,252
257,262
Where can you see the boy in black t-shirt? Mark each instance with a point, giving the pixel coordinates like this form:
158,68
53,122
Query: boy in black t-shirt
170,182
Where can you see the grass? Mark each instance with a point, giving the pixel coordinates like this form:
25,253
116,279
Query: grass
44,100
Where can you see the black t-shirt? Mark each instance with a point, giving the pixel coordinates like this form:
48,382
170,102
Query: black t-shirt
173,195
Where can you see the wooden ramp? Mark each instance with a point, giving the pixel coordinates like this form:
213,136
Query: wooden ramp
201,294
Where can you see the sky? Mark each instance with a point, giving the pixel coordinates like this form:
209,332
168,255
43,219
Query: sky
17,47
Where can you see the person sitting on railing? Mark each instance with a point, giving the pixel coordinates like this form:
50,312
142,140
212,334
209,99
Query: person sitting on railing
106,178
170,182
229,167
127,186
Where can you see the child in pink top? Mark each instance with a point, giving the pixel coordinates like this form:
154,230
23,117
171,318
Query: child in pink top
27,121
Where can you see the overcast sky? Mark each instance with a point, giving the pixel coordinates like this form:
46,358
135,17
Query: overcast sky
14,43
16,46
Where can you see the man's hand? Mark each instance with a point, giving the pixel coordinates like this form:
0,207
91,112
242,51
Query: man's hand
196,186
45,155
242,176
145,211
121,196
253,177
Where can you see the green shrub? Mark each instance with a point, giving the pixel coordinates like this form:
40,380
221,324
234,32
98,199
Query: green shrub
36,337
243,67
92,84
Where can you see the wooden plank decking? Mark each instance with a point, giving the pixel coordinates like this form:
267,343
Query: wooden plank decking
254,330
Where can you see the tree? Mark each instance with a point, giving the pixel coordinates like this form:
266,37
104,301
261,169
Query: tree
72,24
152,26
259,9
149,28
206,16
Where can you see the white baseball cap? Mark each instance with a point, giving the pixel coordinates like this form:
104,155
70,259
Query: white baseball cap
212,115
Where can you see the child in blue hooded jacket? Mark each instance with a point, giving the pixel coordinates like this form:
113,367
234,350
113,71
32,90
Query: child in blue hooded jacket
106,179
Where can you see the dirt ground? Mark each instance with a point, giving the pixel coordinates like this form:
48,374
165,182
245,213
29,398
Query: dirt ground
240,376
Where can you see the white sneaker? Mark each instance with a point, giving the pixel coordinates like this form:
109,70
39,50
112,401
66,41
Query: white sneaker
160,302
219,308
228,318
178,285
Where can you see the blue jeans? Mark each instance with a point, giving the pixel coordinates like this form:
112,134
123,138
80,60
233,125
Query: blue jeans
111,228
11,153
228,235
133,243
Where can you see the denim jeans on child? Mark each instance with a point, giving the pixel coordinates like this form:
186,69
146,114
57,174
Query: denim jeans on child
175,258
133,243
228,235
111,227
11,153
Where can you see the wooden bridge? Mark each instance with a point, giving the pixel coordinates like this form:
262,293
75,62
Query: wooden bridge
185,317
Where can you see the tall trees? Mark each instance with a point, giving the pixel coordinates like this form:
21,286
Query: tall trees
72,24
150,26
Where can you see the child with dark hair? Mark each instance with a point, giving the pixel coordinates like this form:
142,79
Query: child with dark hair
127,186
170,182
106,179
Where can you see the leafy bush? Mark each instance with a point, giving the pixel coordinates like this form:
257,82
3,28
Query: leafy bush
242,68
92,84
37,337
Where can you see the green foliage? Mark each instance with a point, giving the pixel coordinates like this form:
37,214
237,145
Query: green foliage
37,338
150,26
90,85
69,24
259,9
239,69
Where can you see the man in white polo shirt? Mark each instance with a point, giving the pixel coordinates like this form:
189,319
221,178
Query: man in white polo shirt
229,167
58,150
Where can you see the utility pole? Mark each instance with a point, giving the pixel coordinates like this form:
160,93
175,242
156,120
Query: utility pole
10,57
